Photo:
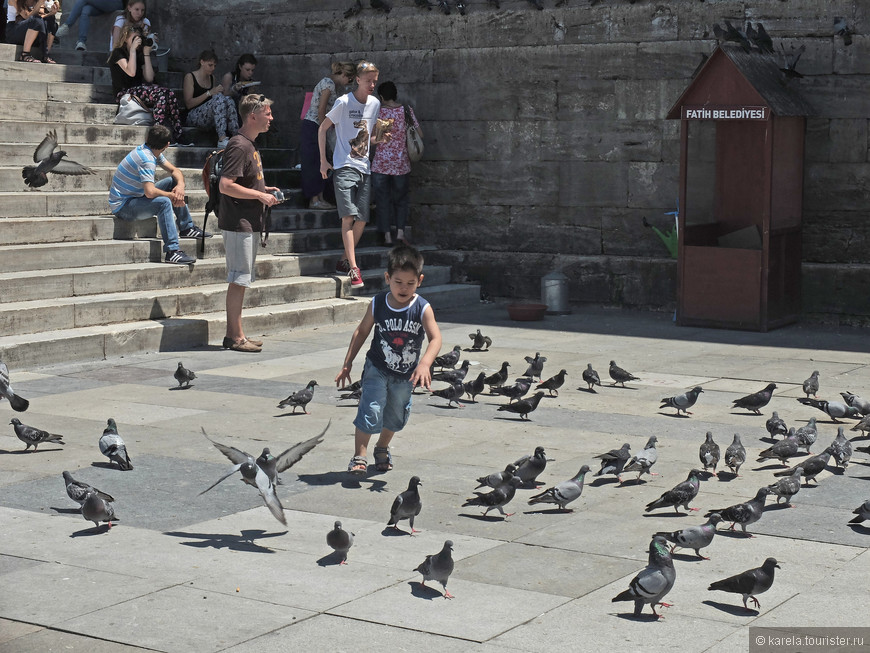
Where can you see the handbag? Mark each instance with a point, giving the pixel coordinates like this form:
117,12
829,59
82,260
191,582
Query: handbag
132,112
413,140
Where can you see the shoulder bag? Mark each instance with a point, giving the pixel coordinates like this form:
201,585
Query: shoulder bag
413,140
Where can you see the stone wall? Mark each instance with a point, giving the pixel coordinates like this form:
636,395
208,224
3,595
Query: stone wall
546,141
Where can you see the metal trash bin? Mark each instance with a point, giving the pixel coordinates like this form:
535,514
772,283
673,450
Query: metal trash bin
554,293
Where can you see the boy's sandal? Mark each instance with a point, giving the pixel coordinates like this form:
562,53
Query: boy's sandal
383,459
358,466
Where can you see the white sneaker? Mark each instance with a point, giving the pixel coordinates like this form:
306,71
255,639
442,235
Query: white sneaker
221,144
80,45
62,31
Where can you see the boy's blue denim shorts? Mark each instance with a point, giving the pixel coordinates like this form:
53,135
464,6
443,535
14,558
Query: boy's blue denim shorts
385,402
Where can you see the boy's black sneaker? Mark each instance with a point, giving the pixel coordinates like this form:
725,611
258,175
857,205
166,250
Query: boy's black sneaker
193,232
179,257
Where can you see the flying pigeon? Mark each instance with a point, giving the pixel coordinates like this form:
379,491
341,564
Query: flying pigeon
786,488
497,478
679,495
49,159
300,398
452,393
553,384
497,379
536,365
643,462
775,425
863,426
78,490
449,360
591,377
524,406
811,385
438,567
19,404
113,447
812,466
613,461
652,584
745,513
863,512
619,375
853,400
530,467
183,375
354,9
475,387
498,498
694,537
407,505
340,541
735,455
453,376
841,449
841,28
563,493
782,450
790,71
749,583
682,402
97,509
709,453
756,401
807,434
33,437
517,390
833,409
479,341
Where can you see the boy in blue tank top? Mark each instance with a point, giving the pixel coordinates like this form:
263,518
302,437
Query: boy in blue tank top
393,366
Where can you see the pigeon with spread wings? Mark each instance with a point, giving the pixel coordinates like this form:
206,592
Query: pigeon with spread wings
49,159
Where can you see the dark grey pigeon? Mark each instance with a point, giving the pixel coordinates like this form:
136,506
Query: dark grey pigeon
553,384
841,449
497,478
475,387
453,376
614,461
756,401
856,402
113,447
775,425
19,404
563,493
679,495
841,28
735,455
735,35
834,409
452,393
812,466
353,395
709,453
763,40
807,434
498,498
863,426
340,541
811,385
643,462
591,377
694,537
49,159
651,585
786,488
407,505
524,406
863,512
536,365
300,398
517,390
750,583
745,513
682,402
530,467
438,567
782,450
789,70
497,379
78,490
449,360
32,436
479,341
97,509
354,9
619,375
183,375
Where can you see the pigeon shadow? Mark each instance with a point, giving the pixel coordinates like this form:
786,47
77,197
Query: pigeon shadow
630,616
737,610
93,530
772,466
451,407
680,415
604,481
326,478
20,451
512,419
549,511
768,438
482,517
331,560
244,542
103,465
67,511
635,481
185,387
749,414
391,531
589,390
727,477
666,514
620,387
778,506
290,414
421,591
686,557
736,534
860,528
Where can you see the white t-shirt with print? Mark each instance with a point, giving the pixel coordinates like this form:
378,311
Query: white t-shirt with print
354,125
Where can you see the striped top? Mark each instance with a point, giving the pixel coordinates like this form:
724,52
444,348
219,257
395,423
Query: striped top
133,172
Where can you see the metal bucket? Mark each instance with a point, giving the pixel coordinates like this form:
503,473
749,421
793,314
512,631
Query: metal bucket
554,293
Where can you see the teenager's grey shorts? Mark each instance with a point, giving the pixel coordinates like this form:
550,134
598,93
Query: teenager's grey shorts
352,193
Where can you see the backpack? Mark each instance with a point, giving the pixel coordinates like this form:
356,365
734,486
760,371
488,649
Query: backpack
211,177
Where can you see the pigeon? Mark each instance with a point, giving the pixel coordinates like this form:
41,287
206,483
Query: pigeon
438,567
756,401
563,493
353,395
530,467
752,35
536,365
709,453
537,4
407,505
498,498
354,9
253,475
591,377
98,509
735,455
449,359
113,447
381,5
183,375
451,393
842,449
453,376
300,398
811,385
833,409
497,478
807,434
619,375
745,513
613,461
782,450
517,390
863,512
19,404
775,425
841,28
475,387
78,490
763,40
644,461
553,384
812,466
679,495
497,379
738,37
749,583
694,537
340,541
786,488
790,71
682,402
652,584
479,341
863,426
524,406
49,159
32,436
853,400
445,6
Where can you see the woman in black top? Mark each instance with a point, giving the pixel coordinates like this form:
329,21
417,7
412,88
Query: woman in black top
206,103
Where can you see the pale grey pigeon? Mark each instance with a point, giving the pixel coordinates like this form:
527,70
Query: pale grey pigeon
619,375
853,400
811,385
757,400
498,498
642,463
407,505
553,384
113,447
679,495
523,406
749,583
300,398
651,585
834,409
78,490
33,437
449,360
563,493
735,455
709,453
786,488
745,513
591,377
452,393
497,478
183,375
863,512
18,403
536,365
841,449
694,537
863,426
807,434
340,541
812,466
479,341
776,426
497,379
97,509
683,401
614,461
438,567
782,450
530,467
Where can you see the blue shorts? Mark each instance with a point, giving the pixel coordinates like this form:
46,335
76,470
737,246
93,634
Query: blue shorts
385,402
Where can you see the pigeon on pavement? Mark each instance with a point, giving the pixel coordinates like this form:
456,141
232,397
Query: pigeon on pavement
614,461
407,505
183,375
78,490
652,584
553,384
749,583
841,449
735,455
497,478
453,376
863,426
300,398
113,447
517,390
474,387
591,377
863,512
19,404
807,434
619,375
856,402
745,513
438,567
530,467
682,402
833,409
811,385
524,406
643,462
536,365
782,450
812,466
498,498
563,493
452,393
49,159
497,379
340,541
694,537
32,436
756,401
786,488
775,425
98,509
709,453
679,495
449,360
479,341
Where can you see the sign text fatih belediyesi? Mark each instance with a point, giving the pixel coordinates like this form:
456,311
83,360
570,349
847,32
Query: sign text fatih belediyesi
725,113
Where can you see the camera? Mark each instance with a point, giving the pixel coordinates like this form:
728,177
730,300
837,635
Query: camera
147,41
279,195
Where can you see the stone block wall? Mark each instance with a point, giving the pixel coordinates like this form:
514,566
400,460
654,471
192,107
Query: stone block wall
546,142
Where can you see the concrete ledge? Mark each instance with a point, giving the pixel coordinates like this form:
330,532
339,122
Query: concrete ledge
133,229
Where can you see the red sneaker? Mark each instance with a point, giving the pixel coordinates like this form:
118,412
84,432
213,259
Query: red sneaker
355,278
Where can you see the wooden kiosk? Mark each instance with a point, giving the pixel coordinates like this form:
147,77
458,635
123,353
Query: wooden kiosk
741,193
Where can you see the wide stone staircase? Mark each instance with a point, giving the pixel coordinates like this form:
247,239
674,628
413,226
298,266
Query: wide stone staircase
76,285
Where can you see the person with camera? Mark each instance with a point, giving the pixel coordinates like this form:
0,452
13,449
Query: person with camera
241,212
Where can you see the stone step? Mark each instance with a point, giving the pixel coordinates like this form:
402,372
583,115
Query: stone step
75,73
33,131
37,203
56,111
56,91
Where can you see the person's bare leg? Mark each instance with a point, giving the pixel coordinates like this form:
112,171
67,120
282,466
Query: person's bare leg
29,38
361,441
349,239
235,300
